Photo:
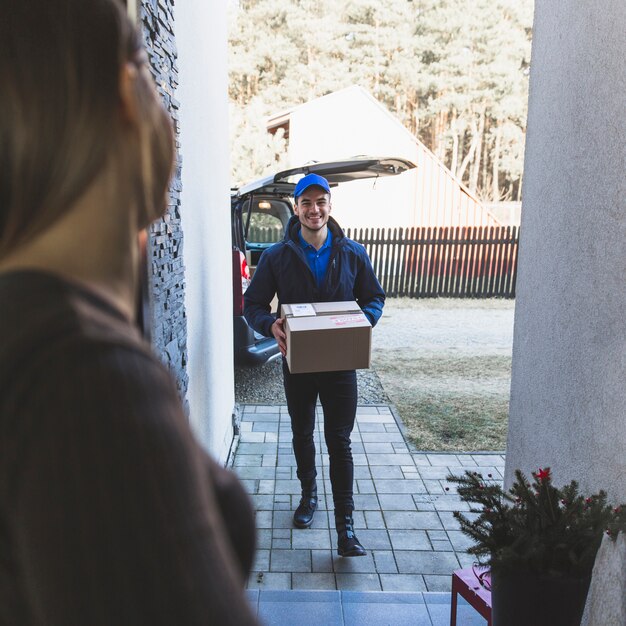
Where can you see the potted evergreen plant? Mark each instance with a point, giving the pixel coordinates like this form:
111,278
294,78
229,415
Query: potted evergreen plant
539,542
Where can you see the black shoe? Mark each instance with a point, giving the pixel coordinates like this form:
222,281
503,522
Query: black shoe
347,542
303,517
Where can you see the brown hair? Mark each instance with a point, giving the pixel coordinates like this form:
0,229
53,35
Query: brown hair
60,120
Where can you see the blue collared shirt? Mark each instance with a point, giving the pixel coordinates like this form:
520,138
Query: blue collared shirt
318,259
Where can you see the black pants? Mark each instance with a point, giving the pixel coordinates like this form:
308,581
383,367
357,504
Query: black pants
337,392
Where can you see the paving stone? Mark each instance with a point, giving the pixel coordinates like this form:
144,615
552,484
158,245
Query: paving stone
311,539
378,447
285,460
403,582
437,535
434,473
366,502
315,580
496,460
465,559
467,460
374,519
367,410
288,487
264,427
450,503
281,533
250,485
362,472
269,460
246,472
357,564
320,519
282,519
271,438
385,562
270,580
436,582
266,413
459,541
358,582
409,540
256,448
357,515
290,560
425,506
400,486
421,460
485,470
252,437
426,562
263,519
375,419
283,544
262,502
371,428
381,437
242,460
386,472
261,561
382,459
357,447
283,506
443,460
400,446
442,546
412,520
266,486
374,539
392,428
365,486
360,459
322,560
433,486
263,538
396,502
448,521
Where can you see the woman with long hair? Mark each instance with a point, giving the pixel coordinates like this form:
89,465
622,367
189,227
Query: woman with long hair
110,511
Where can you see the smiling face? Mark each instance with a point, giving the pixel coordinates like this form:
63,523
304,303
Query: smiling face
313,208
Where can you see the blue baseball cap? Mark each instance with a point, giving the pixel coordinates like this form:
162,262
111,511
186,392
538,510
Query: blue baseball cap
308,181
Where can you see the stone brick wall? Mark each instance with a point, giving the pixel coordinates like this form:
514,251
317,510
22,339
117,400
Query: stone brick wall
166,270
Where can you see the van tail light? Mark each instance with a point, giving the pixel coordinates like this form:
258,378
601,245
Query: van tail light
241,280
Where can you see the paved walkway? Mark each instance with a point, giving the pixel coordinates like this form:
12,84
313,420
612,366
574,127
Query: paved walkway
403,513
358,608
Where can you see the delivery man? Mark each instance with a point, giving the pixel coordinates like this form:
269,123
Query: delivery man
315,262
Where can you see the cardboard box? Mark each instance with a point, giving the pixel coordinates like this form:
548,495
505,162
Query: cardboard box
326,337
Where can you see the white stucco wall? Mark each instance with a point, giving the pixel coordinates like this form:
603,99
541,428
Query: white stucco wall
568,393
201,37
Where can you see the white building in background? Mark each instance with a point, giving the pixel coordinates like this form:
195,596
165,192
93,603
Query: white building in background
352,122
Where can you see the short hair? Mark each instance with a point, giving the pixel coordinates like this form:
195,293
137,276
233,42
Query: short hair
60,64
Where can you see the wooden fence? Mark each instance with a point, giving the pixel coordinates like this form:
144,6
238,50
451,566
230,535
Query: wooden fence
461,262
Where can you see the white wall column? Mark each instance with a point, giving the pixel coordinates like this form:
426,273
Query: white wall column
201,39
568,392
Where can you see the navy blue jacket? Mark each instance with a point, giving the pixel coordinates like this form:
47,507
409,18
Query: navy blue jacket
284,271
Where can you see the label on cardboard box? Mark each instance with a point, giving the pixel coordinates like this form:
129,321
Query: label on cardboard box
302,310
326,337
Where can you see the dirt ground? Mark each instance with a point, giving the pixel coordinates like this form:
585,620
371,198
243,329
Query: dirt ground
446,365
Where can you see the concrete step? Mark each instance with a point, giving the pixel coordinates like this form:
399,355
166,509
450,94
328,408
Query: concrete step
358,608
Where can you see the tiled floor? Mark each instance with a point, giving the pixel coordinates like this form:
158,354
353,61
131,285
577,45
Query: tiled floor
357,608
403,515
